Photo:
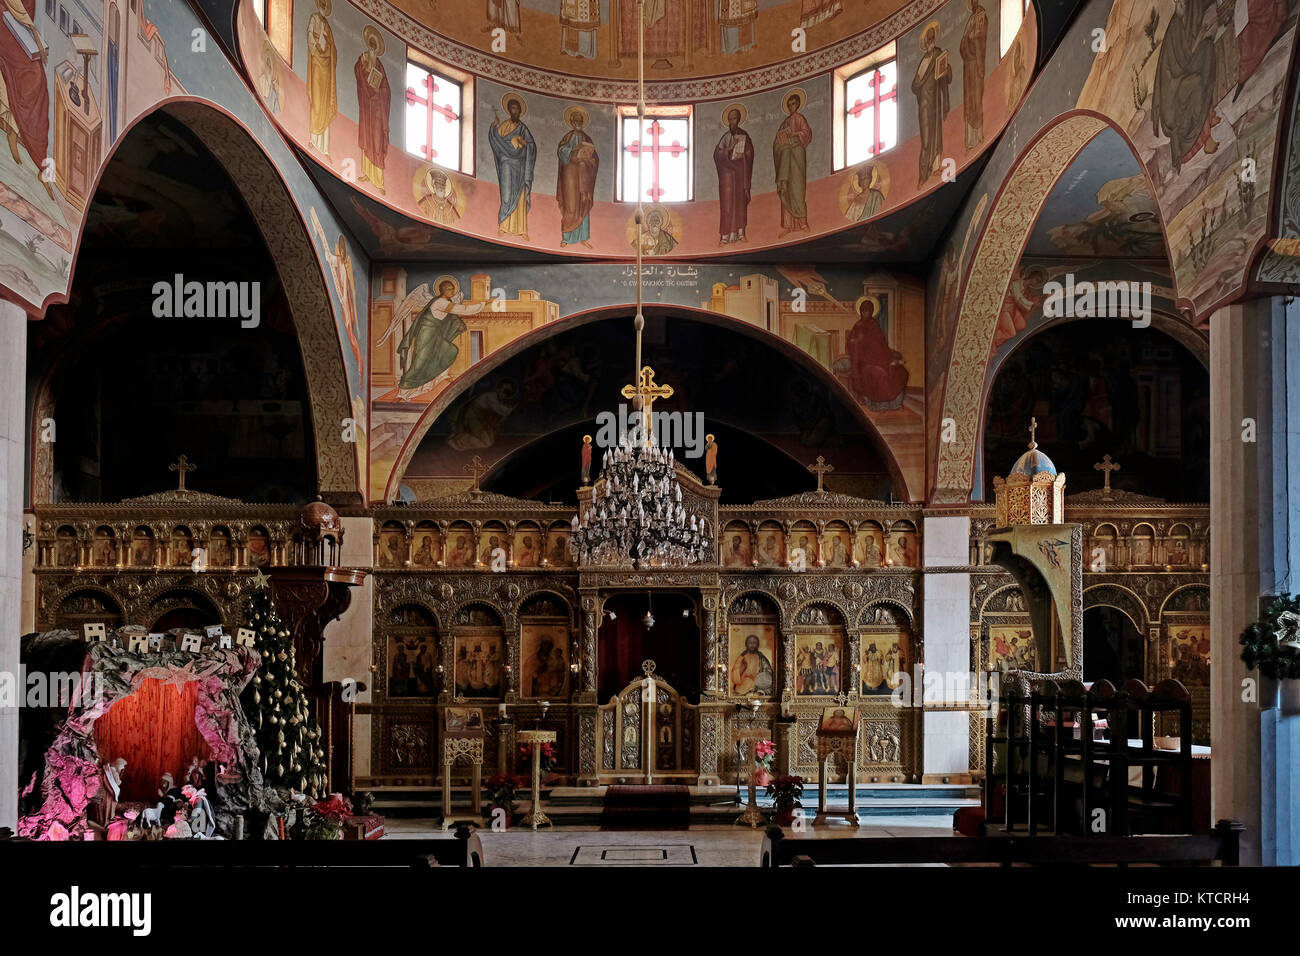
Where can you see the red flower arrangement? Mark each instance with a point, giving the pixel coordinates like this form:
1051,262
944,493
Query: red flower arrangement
550,756
764,754
335,809
502,788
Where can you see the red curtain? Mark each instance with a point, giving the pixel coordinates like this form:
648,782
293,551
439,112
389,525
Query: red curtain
673,644
154,730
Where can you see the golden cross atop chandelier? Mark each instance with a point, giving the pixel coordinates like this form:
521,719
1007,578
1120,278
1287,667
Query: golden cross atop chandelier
636,512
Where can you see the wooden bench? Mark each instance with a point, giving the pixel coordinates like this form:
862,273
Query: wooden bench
1221,846
463,849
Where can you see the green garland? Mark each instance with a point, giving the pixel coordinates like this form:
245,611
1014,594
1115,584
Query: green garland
1261,648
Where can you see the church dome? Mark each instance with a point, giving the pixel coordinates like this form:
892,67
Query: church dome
1032,462
318,516
1033,492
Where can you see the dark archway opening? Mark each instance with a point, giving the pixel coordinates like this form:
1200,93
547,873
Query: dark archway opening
1112,647
133,384
673,643
771,415
1102,387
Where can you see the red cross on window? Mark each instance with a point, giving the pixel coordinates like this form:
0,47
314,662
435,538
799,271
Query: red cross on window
430,108
873,103
655,149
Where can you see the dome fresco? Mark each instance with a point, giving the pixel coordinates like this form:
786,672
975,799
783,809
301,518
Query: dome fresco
520,148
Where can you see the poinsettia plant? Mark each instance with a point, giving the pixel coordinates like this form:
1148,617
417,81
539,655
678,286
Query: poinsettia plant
764,754
502,789
550,756
1271,645
785,792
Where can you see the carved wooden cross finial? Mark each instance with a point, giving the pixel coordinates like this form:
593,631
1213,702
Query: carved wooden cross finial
648,393
843,698
182,465
1033,427
820,468
1106,466
476,469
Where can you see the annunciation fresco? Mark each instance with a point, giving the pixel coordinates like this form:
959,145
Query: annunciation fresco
430,328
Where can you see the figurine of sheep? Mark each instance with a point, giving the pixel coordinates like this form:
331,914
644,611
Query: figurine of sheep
152,816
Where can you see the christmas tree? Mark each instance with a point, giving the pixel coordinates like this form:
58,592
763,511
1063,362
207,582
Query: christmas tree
274,701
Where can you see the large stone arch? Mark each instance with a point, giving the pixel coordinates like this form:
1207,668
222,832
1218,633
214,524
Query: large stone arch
987,278
908,485
276,213
1173,326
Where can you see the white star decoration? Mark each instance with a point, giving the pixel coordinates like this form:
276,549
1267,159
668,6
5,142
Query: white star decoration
1288,630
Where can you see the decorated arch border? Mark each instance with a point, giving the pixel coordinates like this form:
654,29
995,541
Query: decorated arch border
287,241
278,220
988,277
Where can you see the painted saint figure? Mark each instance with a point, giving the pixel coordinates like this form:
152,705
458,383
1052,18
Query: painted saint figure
710,460
579,21
575,189
656,239
1182,97
930,86
435,194
586,460
734,159
428,346
1264,22
340,266
268,82
24,93
974,43
423,558
665,34
374,98
790,157
503,14
866,193
736,24
876,373
737,555
322,89
813,12
515,154
751,671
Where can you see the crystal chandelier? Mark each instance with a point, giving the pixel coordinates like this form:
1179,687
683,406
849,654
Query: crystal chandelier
637,513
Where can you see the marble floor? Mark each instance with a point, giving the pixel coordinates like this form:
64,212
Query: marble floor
698,846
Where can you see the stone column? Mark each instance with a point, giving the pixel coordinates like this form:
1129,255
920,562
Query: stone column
945,634
1254,551
346,653
13,445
